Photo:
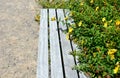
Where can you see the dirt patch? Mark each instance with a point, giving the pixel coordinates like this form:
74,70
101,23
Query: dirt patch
18,39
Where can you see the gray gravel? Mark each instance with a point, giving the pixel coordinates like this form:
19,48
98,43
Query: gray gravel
18,39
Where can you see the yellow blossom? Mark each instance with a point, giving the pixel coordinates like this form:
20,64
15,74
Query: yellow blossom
82,42
110,21
67,36
112,57
112,51
81,3
116,69
96,9
71,13
66,18
105,24
103,19
70,30
53,19
80,23
37,17
94,54
117,63
75,40
91,1
117,22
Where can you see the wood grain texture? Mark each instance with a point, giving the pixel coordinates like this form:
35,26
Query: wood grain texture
56,65
42,68
66,48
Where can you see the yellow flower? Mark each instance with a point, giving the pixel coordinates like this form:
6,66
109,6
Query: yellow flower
112,57
37,17
71,13
105,24
66,18
112,51
117,22
94,54
82,42
67,36
117,63
91,1
80,23
110,21
96,9
75,40
53,19
70,30
103,19
81,3
116,69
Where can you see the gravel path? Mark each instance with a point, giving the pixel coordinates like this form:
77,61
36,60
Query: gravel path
18,39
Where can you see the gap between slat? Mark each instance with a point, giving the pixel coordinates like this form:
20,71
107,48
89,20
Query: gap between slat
49,55
62,61
56,66
66,13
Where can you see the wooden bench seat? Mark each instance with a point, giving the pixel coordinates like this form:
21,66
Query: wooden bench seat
54,60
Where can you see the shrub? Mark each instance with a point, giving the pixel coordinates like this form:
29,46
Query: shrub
53,3
97,34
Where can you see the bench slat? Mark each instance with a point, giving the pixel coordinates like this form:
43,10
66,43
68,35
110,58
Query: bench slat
66,48
42,68
56,65
81,74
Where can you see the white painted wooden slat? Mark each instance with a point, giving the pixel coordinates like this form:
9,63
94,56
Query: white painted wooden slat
56,65
66,48
42,67
81,74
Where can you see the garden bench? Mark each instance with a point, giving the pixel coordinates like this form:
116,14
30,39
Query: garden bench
54,60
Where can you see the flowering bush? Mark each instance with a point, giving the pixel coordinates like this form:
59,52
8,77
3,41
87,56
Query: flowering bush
53,3
97,34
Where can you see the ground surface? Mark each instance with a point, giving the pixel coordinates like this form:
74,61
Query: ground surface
18,39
